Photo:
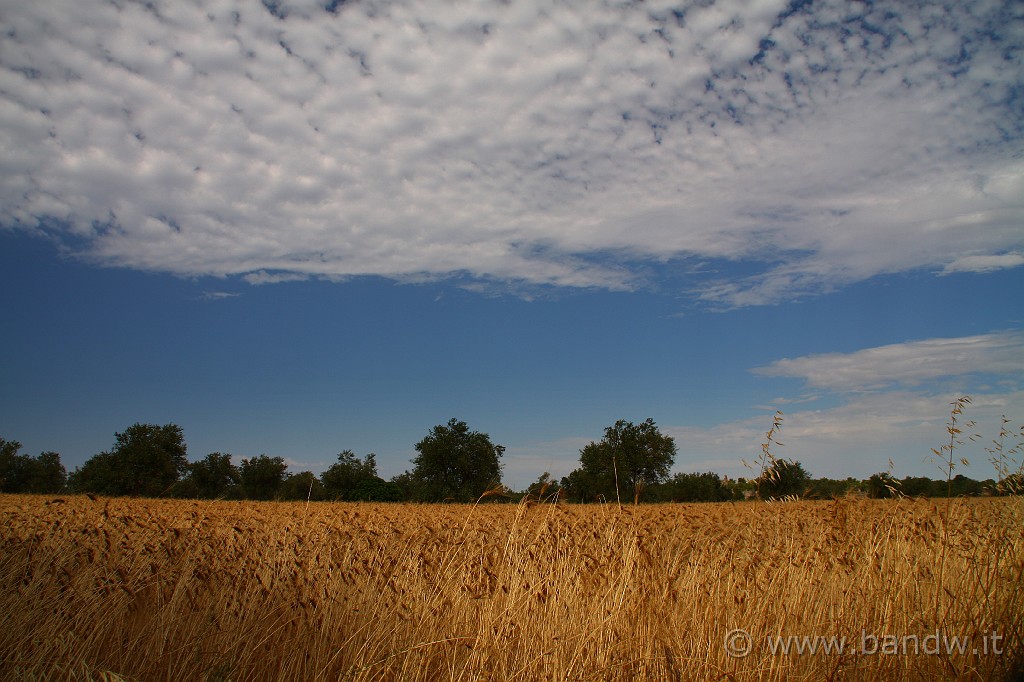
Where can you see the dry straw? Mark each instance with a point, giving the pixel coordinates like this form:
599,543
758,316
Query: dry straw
169,590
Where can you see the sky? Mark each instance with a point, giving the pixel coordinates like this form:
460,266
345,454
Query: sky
298,228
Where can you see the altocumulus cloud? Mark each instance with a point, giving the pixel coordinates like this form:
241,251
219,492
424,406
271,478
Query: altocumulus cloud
523,143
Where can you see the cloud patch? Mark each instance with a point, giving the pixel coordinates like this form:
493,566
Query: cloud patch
907,364
888,402
857,438
984,263
218,295
819,144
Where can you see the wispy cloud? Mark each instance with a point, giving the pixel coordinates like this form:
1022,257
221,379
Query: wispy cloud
856,438
893,403
907,364
818,143
262,277
872,405
984,263
218,295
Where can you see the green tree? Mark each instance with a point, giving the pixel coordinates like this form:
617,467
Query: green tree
301,486
406,485
262,476
825,488
962,486
584,486
9,464
740,488
784,478
628,459
456,464
922,486
349,474
544,488
214,475
45,474
99,475
146,460
377,490
882,486
704,487
20,473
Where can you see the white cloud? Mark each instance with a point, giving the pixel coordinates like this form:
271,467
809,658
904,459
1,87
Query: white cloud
856,428
262,277
911,363
856,438
522,143
984,263
869,425
218,295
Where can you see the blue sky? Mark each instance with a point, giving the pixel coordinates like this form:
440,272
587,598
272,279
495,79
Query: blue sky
294,230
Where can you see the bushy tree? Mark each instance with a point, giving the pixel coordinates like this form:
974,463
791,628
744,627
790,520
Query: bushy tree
830,488
544,488
629,458
301,486
377,490
21,473
9,464
922,486
695,487
99,475
214,476
740,488
262,476
585,486
349,478
882,486
455,464
784,478
407,486
146,460
962,486
45,474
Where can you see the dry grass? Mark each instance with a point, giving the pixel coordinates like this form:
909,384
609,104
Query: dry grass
175,590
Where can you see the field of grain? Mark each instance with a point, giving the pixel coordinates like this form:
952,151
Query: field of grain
175,590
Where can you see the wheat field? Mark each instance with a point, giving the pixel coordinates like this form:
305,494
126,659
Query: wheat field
173,590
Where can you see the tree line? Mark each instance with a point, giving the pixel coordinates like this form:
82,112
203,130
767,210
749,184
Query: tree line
631,463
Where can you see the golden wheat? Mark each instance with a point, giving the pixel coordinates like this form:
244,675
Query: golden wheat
173,590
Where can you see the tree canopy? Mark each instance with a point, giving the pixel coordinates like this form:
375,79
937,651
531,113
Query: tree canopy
301,486
24,474
214,476
262,476
627,460
784,478
146,460
455,464
351,478
544,488
693,487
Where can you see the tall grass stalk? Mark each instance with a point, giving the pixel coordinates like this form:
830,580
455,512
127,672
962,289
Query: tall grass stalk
163,589
1009,471
766,460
